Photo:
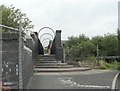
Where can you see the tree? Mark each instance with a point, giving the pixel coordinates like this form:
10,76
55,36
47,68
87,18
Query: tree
87,49
80,46
84,47
73,41
11,17
109,45
97,41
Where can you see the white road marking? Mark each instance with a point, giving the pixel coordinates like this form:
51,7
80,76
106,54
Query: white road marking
114,81
68,81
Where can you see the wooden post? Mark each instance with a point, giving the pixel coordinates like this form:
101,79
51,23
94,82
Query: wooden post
97,55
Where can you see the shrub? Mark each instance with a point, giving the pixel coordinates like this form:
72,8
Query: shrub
112,66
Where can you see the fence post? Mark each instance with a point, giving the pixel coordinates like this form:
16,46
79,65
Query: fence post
97,55
20,57
0,50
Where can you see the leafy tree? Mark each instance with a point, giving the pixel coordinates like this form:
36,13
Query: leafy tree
109,45
11,17
73,41
80,46
84,47
97,40
87,49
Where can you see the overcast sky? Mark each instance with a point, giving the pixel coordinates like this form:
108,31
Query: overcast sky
73,17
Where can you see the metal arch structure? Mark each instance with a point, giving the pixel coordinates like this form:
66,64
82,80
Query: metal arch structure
46,39
46,28
45,44
46,34
52,35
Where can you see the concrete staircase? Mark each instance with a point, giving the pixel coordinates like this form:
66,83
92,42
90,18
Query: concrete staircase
48,62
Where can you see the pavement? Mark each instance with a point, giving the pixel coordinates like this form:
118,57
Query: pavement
90,79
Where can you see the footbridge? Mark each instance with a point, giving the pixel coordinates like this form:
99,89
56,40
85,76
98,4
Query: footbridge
50,43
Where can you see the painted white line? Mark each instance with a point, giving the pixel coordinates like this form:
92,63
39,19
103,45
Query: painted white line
69,82
114,81
95,86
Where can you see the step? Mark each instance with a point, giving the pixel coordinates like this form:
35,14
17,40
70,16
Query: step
50,63
62,64
47,62
46,56
46,59
37,70
67,66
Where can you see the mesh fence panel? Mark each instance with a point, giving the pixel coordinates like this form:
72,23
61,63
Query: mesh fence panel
10,59
17,59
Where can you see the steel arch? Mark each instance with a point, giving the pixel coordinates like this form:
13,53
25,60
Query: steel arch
46,34
45,44
45,39
47,28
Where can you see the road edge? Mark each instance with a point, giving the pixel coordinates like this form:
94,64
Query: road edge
114,81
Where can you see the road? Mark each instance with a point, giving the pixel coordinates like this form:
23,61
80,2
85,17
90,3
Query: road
92,79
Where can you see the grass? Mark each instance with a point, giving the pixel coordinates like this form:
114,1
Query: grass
93,63
110,66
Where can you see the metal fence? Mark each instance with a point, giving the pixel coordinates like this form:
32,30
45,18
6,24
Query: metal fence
87,58
79,58
17,63
10,56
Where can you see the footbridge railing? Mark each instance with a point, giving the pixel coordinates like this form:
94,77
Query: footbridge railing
57,47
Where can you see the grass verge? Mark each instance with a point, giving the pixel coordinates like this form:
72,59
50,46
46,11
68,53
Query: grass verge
110,66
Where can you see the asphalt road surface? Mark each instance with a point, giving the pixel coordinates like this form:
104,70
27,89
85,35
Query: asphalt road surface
92,79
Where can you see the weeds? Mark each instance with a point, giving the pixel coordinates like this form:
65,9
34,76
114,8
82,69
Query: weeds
111,66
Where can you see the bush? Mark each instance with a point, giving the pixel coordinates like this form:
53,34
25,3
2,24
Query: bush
111,66
92,59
